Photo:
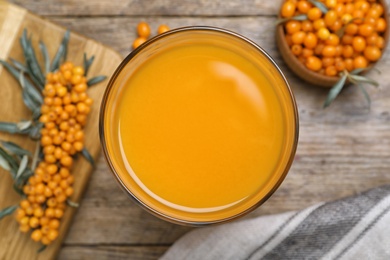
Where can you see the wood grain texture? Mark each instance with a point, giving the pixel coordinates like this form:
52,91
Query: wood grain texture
13,244
343,150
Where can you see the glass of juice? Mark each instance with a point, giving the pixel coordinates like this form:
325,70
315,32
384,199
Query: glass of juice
199,126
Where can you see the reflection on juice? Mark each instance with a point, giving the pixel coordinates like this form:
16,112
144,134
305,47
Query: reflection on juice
199,132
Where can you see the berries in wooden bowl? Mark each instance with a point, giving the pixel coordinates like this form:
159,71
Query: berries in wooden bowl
330,42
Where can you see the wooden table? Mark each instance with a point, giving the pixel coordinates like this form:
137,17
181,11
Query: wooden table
343,149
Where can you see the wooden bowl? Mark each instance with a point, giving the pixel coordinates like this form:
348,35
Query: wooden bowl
300,69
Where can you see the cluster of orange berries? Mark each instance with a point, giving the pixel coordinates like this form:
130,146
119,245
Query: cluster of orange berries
348,36
143,30
66,106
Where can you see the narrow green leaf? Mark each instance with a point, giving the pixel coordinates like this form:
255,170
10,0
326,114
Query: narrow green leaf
22,167
42,248
87,63
8,127
7,211
14,148
24,124
21,180
35,132
365,93
18,190
96,80
320,6
301,17
61,52
362,79
72,203
358,71
88,156
32,66
45,55
335,90
18,65
11,161
34,94
4,163
29,102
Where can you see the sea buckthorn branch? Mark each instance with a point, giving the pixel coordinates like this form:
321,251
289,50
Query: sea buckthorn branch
57,98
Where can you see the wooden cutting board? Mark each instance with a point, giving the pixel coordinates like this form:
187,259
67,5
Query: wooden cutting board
13,19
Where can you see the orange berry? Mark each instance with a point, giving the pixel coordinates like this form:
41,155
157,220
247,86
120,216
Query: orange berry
318,24
47,192
137,42
298,37
24,204
143,29
52,185
331,71
49,212
19,214
381,25
307,52
329,51
52,234
327,61
296,49
69,191
358,43
64,172
24,221
372,53
333,40
78,146
303,6
340,65
40,198
38,212
331,3
78,70
307,26
336,26
70,179
54,224
46,140
349,64
313,63
360,62
323,33
61,198
318,49
43,221
339,9
366,30
80,87
314,13
347,39
163,28
58,213
52,169
66,161
330,17
293,26
34,222
372,39
36,235
351,29
380,42
49,158
310,41
347,51
52,202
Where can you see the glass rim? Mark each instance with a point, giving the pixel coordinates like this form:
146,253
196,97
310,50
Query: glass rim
118,178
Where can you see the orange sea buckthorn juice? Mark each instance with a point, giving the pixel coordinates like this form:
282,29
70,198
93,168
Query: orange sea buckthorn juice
199,125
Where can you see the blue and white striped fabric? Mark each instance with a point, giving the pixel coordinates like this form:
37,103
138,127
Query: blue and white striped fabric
352,228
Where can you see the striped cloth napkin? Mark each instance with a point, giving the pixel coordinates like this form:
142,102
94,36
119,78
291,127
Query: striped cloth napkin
356,227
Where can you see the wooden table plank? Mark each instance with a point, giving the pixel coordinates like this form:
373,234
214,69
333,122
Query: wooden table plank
342,150
151,7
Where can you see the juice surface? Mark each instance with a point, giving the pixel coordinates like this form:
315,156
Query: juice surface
200,128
